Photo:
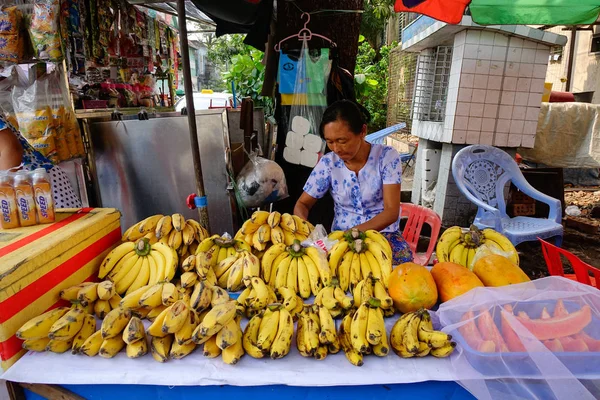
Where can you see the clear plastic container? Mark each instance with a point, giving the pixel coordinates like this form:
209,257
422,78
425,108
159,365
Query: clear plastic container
8,202
44,202
25,198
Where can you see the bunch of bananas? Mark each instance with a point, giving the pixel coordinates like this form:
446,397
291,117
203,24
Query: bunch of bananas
220,331
133,265
413,336
460,247
316,335
172,230
264,228
372,287
334,299
109,340
367,330
269,333
93,298
256,297
303,269
229,260
58,330
358,255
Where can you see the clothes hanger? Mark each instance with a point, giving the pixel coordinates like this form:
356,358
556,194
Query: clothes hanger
304,34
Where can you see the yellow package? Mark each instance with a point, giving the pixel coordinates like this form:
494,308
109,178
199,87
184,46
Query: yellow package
10,20
73,134
35,125
12,119
59,131
44,30
47,146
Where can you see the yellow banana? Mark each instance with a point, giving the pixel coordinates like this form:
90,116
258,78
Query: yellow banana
149,224
373,265
163,227
292,275
346,302
92,344
381,294
142,279
59,346
188,234
328,332
410,338
304,284
184,335
219,296
274,219
358,329
355,272
268,329
121,285
111,260
443,351
375,324
283,339
211,350
343,270
232,354
114,322
503,242
67,326
288,223
169,294
288,238
71,293
249,227
171,260
449,238
227,336
336,254
87,330
201,296
134,331
137,349
383,242
105,290
313,275
132,300
179,351
365,268
336,235
101,308
178,222
383,260
282,271
269,257
344,336
250,337
320,259
151,297
111,346
160,347
176,317
382,348
155,312
206,244
39,327
214,321
36,344
155,329
260,217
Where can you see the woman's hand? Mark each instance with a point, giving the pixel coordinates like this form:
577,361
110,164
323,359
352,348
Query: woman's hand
390,213
303,205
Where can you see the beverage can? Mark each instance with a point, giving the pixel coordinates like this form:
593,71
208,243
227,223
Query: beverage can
8,203
25,199
44,202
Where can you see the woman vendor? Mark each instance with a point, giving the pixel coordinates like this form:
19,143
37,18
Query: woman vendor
364,179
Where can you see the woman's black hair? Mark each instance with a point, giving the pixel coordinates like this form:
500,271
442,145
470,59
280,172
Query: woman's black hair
348,111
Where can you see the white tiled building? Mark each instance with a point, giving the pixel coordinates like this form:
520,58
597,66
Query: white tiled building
474,85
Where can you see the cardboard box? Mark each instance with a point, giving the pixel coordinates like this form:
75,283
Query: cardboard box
37,262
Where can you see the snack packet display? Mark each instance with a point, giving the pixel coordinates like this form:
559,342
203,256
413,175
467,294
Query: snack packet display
11,42
45,30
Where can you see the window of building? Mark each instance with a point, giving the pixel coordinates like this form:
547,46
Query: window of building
595,48
431,87
556,54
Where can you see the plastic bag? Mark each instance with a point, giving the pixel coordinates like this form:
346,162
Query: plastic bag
318,238
534,340
487,249
303,144
261,181
45,30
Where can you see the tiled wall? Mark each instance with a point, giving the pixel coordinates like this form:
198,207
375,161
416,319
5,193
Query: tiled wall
495,90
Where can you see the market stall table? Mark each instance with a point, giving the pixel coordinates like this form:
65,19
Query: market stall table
293,376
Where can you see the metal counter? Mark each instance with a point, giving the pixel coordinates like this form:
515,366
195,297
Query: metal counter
145,167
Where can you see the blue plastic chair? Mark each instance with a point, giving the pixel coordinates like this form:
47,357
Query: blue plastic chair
481,173
379,136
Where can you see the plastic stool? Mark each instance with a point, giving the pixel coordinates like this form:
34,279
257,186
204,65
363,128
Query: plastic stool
417,216
555,266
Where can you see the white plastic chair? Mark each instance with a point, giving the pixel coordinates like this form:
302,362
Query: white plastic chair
481,173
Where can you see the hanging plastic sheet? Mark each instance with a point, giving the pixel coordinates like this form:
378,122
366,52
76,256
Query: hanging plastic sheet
534,12
535,340
303,145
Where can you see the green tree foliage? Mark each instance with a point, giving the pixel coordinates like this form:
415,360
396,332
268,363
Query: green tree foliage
374,18
242,65
371,81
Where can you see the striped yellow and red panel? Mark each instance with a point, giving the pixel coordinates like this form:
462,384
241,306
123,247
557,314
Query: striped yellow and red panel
37,262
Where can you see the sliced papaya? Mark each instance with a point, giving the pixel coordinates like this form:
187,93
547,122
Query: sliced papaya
560,309
510,336
471,334
523,315
553,345
576,345
557,327
592,344
489,331
545,314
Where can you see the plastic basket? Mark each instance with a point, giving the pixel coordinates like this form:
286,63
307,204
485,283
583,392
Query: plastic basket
507,363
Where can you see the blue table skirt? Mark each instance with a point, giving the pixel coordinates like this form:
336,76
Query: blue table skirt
416,391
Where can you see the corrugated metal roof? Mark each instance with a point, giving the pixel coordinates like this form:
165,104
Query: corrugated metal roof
192,12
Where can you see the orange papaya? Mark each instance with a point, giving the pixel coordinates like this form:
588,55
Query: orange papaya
489,331
560,309
453,280
553,345
576,345
510,336
472,336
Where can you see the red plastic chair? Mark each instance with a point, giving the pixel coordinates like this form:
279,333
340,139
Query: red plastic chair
555,266
417,216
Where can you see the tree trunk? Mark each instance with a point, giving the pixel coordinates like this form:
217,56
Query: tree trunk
342,28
